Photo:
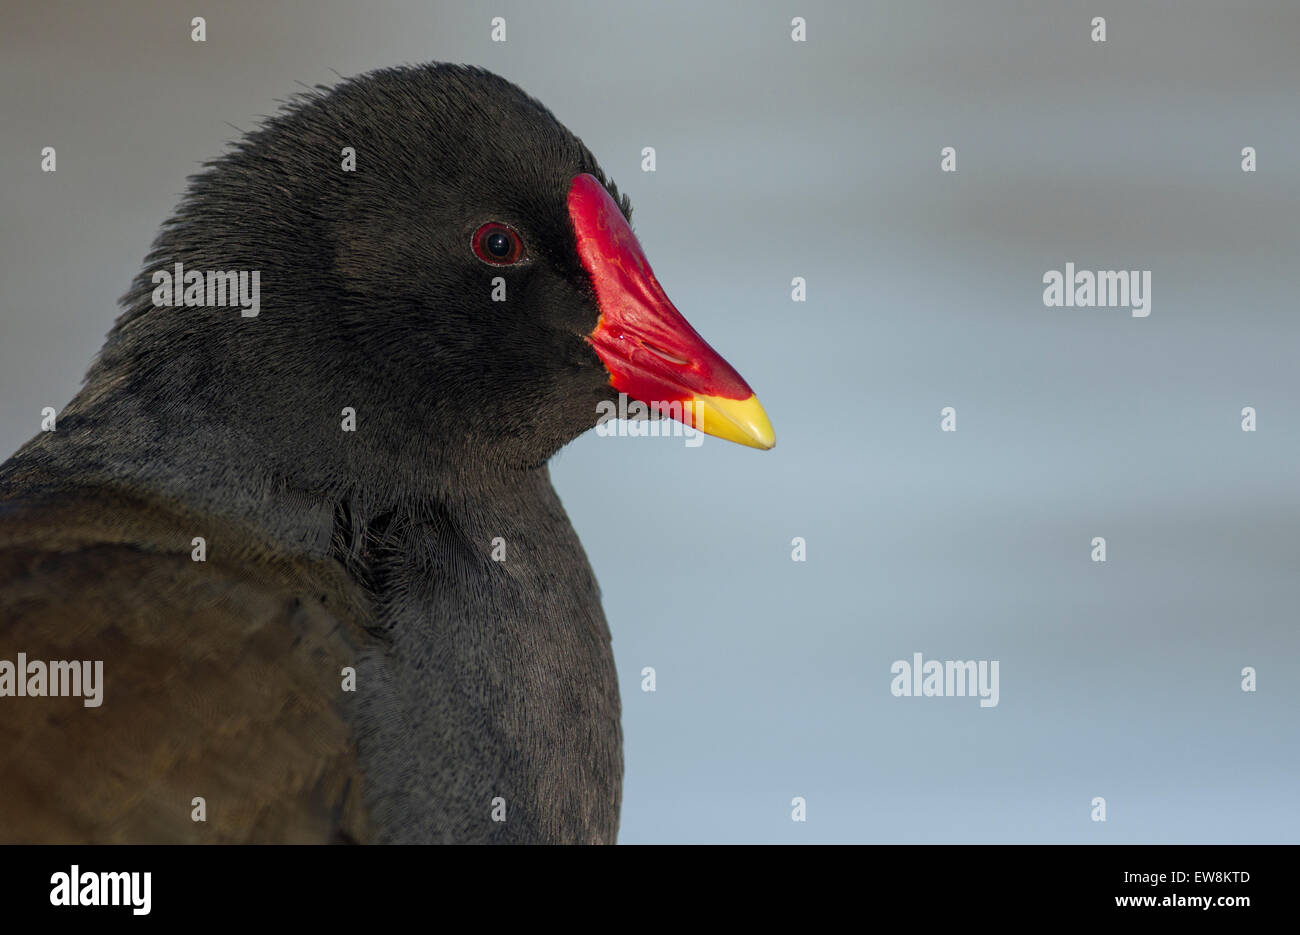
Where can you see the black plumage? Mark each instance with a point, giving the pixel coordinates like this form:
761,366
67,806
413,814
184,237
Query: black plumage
480,683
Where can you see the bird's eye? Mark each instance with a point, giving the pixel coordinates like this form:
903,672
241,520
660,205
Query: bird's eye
497,244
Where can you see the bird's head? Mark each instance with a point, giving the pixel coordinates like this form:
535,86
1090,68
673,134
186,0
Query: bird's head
436,252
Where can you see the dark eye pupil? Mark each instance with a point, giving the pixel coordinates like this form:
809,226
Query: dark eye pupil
498,244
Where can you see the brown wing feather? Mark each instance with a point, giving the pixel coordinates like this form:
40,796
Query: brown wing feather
221,679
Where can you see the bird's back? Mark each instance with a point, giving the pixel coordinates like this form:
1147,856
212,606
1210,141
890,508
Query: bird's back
221,679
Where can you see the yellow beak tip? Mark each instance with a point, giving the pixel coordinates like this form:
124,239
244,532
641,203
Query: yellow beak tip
742,421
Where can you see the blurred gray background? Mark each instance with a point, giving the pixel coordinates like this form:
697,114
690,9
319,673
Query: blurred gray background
821,159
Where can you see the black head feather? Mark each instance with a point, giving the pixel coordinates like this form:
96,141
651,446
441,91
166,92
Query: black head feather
371,296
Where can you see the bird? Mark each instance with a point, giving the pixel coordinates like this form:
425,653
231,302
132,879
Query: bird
310,534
